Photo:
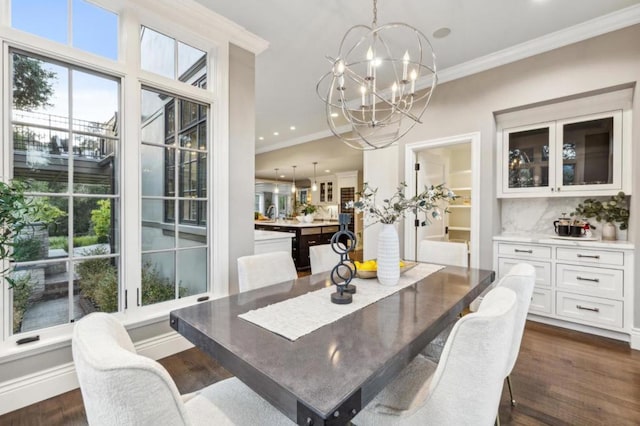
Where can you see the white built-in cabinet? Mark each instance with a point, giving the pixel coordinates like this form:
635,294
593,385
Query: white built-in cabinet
327,191
576,156
578,284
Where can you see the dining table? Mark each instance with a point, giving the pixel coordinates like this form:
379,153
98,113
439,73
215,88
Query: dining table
327,376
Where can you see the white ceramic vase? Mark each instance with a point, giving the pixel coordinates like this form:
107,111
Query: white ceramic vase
608,232
388,255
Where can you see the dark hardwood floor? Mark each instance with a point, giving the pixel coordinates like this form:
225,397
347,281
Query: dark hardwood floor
561,378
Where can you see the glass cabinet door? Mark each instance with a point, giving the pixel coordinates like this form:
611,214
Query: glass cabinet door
590,156
528,158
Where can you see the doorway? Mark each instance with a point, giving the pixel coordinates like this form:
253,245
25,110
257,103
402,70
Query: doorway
449,161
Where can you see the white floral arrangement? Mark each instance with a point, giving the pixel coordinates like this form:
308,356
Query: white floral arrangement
432,202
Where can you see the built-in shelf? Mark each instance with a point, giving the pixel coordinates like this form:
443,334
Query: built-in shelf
461,172
459,228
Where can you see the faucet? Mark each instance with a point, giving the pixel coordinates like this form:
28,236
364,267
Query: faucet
271,211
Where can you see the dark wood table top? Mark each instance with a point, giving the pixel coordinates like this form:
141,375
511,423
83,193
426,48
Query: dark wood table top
330,374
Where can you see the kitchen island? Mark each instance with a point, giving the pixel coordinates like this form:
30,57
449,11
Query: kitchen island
303,235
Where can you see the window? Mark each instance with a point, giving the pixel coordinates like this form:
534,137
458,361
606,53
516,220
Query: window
92,29
174,196
168,57
65,145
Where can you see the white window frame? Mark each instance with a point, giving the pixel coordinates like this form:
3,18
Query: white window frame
197,26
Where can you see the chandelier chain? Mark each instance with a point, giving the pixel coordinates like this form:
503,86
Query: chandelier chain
375,13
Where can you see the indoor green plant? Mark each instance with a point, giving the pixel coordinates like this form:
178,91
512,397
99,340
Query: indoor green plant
615,210
308,209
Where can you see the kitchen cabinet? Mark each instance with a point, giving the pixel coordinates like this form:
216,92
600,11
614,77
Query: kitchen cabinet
582,285
327,191
570,157
305,235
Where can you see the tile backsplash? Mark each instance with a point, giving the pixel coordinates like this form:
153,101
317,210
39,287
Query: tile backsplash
536,215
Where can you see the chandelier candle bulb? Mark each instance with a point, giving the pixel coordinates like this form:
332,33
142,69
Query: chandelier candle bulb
394,89
405,64
370,63
363,90
414,76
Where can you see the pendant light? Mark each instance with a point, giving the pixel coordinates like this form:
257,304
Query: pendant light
276,189
293,184
314,187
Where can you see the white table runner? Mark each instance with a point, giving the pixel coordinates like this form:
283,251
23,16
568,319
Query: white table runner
293,318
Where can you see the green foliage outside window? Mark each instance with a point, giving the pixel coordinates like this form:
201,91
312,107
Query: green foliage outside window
101,220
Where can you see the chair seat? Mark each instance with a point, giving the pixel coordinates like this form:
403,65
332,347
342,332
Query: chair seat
231,402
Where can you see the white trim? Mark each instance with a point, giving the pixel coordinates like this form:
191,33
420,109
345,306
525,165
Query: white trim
581,328
604,24
36,387
409,178
302,139
635,339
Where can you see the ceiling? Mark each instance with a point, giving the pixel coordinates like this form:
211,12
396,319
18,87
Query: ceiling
302,33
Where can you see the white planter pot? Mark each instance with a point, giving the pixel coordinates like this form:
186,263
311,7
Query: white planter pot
308,218
608,232
388,255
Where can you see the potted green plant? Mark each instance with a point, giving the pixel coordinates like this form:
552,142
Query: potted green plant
615,210
308,210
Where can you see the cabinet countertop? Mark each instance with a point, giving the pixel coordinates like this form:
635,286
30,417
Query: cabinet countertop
296,224
261,235
568,242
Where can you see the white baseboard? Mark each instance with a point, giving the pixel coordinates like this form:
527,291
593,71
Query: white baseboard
635,339
581,327
36,387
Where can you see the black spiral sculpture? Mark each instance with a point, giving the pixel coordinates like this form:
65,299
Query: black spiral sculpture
342,243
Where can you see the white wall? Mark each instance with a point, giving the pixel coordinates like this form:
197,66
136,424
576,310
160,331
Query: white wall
469,104
241,157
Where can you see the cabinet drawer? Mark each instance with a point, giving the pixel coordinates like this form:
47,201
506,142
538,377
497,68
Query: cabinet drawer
600,282
525,251
540,301
596,257
543,270
591,310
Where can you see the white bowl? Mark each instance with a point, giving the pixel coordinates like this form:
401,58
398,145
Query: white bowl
300,218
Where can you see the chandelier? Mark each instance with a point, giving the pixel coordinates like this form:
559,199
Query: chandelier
374,91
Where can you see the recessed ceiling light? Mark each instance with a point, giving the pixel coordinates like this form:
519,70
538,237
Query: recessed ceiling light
260,138
327,171
334,114
275,133
282,176
441,32
292,128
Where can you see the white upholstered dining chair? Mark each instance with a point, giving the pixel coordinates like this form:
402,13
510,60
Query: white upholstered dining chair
465,387
322,258
261,270
120,387
443,253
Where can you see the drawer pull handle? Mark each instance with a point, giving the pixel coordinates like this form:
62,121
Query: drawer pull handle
593,280
589,256
584,308
312,242
523,251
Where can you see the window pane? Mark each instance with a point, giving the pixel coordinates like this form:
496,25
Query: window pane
98,284
40,155
158,277
45,18
94,226
192,271
193,212
158,230
41,296
95,30
46,236
96,118
94,165
191,63
158,168
157,53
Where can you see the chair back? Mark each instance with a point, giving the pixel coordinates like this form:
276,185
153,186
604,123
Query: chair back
261,270
465,389
443,253
120,387
322,258
521,279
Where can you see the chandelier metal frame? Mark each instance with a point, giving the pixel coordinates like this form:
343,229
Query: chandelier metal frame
391,102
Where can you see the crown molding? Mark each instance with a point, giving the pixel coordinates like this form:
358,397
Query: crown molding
607,23
604,24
